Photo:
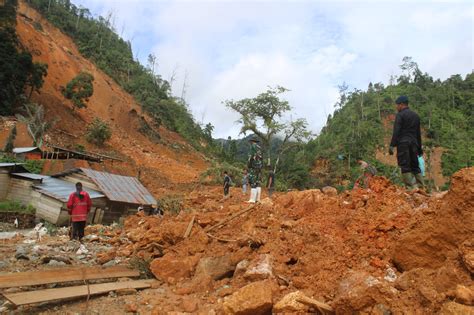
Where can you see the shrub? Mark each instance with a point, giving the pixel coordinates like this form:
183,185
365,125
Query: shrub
98,132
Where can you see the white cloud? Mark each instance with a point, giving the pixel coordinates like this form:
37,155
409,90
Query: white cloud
235,49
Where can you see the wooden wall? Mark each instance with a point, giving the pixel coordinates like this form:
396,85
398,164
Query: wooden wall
47,208
20,190
4,184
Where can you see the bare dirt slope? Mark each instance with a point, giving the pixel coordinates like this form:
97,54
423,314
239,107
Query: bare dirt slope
170,162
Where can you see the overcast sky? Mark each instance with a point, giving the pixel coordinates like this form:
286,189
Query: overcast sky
236,49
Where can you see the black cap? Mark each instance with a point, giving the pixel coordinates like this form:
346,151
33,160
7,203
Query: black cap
402,100
254,139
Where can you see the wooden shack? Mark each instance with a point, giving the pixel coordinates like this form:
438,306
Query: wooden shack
51,196
5,170
124,194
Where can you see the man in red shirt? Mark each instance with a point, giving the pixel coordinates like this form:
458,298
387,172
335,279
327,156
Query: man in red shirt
79,205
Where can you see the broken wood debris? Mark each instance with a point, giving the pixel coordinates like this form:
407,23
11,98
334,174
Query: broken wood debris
224,222
38,296
323,308
190,227
29,278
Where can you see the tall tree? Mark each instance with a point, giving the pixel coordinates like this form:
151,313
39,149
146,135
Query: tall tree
262,115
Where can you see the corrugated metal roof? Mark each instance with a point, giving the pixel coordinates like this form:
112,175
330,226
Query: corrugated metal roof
31,175
10,164
61,189
120,188
24,150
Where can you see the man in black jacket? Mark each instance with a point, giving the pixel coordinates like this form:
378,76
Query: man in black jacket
407,138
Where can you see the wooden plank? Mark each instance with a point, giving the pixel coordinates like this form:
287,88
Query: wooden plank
20,279
190,226
47,295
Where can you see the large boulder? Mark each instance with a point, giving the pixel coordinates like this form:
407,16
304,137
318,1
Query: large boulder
436,239
215,268
171,268
253,299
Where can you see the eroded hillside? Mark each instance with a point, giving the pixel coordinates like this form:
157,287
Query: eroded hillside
170,162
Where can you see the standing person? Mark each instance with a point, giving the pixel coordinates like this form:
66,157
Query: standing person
227,181
270,182
245,181
79,205
255,165
407,138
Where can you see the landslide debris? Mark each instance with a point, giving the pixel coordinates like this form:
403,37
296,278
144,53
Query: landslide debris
375,250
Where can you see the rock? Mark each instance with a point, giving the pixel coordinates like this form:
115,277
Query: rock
190,305
289,303
241,267
3,264
252,299
330,191
131,307
260,269
465,295
53,262
110,263
215,268
288,224
453,308
103,258
170,268
82,250
467,255
21,253
126,291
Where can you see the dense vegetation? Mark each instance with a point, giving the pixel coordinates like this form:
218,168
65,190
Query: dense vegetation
17,69
98,41
362,120
362,123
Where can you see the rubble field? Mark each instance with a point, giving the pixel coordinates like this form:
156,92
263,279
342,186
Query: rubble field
380,250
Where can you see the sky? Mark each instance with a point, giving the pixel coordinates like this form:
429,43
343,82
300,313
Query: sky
220,50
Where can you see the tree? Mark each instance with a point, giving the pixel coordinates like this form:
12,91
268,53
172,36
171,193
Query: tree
36,78
262,116
79,89
36,122
9,145
98,132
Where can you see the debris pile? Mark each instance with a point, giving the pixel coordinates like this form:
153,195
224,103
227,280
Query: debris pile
375,250
379,250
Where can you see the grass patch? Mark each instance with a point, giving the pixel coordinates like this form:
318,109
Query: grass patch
15,206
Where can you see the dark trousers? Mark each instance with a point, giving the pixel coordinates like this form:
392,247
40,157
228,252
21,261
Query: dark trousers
407,157
226,190
78,230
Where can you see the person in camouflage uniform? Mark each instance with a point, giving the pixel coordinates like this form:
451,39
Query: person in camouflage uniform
255,164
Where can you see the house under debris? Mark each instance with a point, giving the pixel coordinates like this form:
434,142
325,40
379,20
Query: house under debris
113,196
